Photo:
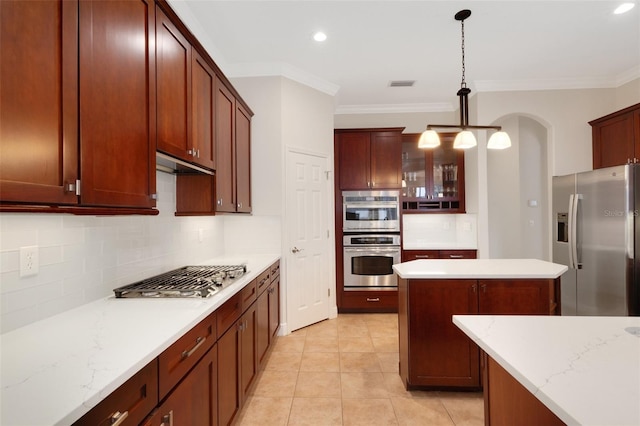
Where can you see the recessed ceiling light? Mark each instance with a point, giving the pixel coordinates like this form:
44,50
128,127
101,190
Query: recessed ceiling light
319,36
623,8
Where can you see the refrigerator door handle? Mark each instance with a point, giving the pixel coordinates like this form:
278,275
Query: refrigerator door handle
570,238
573,235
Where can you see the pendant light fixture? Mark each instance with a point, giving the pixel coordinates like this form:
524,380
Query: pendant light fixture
465,138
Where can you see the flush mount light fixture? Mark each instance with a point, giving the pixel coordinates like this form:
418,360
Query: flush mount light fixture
319,36
465,138
623,8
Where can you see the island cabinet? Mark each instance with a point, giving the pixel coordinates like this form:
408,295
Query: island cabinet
434,353
616,138
69,136
368,158
408,255
233,152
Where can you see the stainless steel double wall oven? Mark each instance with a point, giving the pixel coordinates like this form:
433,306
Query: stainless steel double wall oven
371,239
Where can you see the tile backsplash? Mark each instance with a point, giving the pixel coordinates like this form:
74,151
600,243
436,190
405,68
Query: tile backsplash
83,258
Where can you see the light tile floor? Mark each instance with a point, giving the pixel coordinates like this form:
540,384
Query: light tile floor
344,371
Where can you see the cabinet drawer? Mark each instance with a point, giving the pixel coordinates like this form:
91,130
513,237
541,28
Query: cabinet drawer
229,313
178,358
275,271
136,397
249,294
263,280
457,254
370,301
409,255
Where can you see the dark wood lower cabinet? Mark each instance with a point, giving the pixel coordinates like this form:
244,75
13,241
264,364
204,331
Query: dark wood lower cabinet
228,380
248,353
434,353
507,402
194,400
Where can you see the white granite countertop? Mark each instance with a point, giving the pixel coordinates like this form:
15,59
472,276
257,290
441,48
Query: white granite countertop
586,370
478,269
55,370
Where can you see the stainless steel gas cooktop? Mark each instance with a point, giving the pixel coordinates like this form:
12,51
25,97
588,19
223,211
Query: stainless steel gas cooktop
188,281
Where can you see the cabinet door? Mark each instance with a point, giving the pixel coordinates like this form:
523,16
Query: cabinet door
354,156
457,254
228,375
38,101
225,152
636,130
262,332
173,72
203,88
274,309
243,160
513,297
440,353
386,160
117,103
613,141
194,400
248,353
408,255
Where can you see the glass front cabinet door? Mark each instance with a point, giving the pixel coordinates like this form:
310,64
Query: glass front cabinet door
433,178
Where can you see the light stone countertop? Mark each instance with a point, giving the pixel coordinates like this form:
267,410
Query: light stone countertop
54,371
586,370
479,269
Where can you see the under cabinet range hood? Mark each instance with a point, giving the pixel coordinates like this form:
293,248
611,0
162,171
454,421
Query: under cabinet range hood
168,164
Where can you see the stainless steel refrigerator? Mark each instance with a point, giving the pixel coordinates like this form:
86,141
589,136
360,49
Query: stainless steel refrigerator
597,235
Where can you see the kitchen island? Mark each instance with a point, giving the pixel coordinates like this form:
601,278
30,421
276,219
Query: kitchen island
434,353
56,370
555,370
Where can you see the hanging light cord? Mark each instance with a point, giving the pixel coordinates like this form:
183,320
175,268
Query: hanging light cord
463,83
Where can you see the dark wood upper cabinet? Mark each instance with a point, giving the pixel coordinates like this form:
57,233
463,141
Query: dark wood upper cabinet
225,149
369,158
616,138
117,103
38,101
173,71
203,81
243,159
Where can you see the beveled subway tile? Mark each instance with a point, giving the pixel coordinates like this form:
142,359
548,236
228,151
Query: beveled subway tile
359,361
466,409
318,384
367,412
389,362
289,343
363,385
321,344
276,383
316,412
284,361
260,411
320,361
421,411
355,344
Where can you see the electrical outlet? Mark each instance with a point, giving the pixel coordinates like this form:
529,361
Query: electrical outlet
29,261
200,235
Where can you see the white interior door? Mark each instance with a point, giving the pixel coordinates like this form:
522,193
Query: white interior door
308,253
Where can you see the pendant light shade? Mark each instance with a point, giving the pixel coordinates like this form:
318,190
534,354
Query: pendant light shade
499,140
429,139
464,140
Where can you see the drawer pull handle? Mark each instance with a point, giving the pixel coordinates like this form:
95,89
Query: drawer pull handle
117,418
167,419
373,299
456,256
423,256
187,354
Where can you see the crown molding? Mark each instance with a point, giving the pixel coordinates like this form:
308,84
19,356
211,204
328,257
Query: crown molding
394,108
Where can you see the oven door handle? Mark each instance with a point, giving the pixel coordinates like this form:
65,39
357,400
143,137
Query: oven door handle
372,249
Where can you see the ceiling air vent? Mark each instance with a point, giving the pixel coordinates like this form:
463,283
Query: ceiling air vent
402,83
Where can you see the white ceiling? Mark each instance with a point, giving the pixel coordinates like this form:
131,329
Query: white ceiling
510,45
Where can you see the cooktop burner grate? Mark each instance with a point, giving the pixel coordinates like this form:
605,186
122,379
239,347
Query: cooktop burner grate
188,281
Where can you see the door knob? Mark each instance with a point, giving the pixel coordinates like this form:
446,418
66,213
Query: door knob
295,250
